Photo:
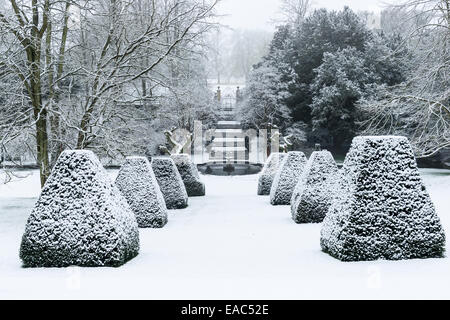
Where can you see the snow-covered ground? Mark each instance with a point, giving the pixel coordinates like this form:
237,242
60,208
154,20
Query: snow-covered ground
231,244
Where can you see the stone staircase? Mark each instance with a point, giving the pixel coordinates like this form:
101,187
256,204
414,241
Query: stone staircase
228,152
229,143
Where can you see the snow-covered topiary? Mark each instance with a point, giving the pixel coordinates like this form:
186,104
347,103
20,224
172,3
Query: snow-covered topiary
287,178
80,218
268,173
189,173
170,183
382,209
313,195
137,183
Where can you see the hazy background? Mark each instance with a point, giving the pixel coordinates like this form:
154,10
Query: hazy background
247,29
259,14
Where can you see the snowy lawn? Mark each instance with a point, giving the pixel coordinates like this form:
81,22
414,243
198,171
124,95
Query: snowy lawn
231,244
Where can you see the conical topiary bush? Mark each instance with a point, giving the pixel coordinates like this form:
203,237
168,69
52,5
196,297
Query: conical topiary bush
80,218
287,178
170,183
313,195
382,209
268,173
190,175
137,183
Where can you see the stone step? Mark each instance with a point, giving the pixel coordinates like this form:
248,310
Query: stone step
228,149
231,155
229,140
229,132
231,122
228,125
229,145
228,157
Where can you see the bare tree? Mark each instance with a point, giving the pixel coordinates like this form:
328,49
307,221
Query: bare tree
76,64
420,107
29,29
294,11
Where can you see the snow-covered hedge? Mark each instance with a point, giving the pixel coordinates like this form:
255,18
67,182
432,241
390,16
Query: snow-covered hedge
170,183
189,173
138,185
287,178
80,218
267,174
313,195
382,209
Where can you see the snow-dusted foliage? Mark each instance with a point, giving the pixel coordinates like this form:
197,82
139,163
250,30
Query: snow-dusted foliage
287,178
382,209
80,218
313,195
189,173
268,173
265,95
138,185
170,183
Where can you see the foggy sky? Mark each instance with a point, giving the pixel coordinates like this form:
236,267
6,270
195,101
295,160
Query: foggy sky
257,14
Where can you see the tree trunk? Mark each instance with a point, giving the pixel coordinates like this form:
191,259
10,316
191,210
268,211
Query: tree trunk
57,133
42,147
40,113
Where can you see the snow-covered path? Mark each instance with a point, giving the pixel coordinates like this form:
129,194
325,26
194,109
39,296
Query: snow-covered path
229,245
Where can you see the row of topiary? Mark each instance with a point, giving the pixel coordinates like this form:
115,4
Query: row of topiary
82,218
375,207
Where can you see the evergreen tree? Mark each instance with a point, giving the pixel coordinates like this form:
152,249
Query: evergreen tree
342,80
317,71
320,33
265,94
